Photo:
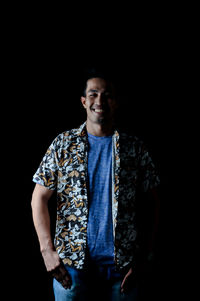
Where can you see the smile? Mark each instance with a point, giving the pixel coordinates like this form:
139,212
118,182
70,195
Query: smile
98,110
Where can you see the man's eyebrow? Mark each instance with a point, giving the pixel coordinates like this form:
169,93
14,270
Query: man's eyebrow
96,90
93,90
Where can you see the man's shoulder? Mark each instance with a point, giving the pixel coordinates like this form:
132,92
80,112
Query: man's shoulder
68,136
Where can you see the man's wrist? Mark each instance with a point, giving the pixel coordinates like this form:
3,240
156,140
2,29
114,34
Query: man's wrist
47,247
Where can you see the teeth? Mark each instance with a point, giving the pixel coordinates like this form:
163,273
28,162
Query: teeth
98,110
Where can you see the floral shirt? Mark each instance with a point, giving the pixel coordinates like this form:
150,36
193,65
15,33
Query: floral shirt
64,169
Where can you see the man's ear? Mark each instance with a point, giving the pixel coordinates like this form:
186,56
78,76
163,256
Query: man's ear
83,100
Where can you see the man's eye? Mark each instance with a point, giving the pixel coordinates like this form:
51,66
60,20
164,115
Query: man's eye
108,95
93,95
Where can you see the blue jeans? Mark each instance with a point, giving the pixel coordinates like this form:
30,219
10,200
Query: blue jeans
94,283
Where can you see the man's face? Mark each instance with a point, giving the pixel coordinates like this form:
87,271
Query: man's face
99,102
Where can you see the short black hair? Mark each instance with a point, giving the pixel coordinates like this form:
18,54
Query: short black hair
94,72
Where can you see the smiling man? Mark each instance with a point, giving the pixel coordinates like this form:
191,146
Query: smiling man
97,172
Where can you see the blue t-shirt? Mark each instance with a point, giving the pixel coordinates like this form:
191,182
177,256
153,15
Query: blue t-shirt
100,226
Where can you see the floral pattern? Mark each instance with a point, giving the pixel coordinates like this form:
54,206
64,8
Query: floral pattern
64,168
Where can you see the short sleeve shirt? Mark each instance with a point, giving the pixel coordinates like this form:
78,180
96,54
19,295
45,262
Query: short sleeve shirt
64,169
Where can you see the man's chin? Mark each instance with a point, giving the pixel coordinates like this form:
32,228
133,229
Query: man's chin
102,120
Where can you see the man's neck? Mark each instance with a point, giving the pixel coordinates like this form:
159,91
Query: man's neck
99,130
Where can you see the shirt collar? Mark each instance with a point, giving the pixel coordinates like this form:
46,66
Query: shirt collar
82,131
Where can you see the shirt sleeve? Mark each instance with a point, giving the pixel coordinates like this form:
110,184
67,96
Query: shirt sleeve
149,177
47,171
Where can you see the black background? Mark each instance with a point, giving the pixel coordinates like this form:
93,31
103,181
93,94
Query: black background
41,78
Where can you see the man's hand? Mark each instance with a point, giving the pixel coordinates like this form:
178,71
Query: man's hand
56,268
126,280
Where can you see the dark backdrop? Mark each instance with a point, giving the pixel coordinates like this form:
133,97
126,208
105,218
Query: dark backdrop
50,104
43,99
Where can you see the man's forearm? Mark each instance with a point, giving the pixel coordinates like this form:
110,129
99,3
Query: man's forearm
41,219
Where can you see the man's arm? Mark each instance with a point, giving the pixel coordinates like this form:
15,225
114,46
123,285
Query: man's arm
41,220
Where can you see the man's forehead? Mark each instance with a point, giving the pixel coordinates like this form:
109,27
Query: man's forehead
97,84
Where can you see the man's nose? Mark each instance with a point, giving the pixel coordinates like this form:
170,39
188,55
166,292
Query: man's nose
100,99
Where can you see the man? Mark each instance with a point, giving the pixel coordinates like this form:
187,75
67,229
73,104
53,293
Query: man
97,172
